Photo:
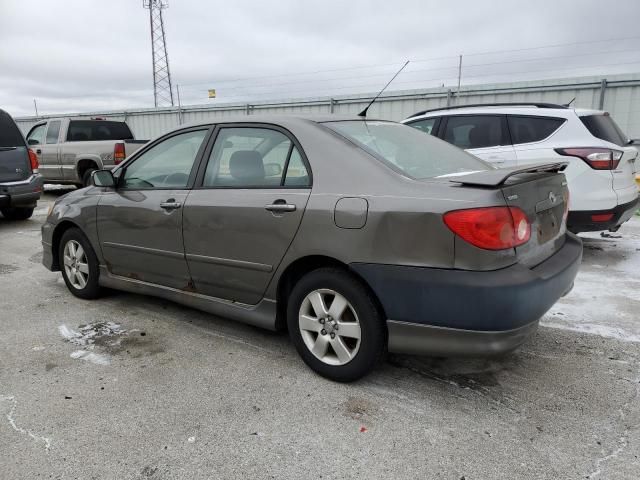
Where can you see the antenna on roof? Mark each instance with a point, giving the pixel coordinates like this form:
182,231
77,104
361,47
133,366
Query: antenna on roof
569,104
363,113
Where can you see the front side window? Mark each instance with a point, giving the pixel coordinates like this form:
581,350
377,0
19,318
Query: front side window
425,125
532,129
36,135
167,164
407,150
247,157
474,131
53,131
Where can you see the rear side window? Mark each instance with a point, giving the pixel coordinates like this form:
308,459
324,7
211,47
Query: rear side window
604,128
425,125
475,131
89,130
53,131
532,129
10,135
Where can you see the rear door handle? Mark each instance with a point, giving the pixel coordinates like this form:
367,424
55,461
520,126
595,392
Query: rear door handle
38,151
280,207
170,204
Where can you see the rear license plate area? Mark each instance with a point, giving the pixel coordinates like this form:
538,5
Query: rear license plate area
547,226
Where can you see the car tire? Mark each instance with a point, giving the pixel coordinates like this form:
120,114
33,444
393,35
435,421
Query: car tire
86,177
79,264
312,318
16,213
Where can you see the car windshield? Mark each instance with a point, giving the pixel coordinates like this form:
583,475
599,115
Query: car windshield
407,150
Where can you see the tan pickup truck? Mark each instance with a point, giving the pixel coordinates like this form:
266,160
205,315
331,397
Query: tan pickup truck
69,149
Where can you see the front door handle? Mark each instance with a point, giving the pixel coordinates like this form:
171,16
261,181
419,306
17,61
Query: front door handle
280,207
170,204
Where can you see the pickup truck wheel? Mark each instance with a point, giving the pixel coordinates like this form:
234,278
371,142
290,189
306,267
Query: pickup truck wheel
86,177
335,324
16,213
79,264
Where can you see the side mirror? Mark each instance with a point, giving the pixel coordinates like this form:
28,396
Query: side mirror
103,178
33,141
272,169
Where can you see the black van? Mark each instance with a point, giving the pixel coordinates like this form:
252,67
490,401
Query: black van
20,182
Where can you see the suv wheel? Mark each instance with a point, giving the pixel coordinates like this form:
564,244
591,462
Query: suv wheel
79,264
16,213
335,324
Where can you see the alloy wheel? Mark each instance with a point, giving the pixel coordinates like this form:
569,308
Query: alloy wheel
76,266
329,327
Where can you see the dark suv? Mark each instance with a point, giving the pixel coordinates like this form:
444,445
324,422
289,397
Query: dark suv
20,182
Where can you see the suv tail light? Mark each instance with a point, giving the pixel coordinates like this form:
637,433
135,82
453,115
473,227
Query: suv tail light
596,158
33,161
491,228
118,153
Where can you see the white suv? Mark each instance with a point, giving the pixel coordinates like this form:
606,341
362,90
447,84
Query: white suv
602,162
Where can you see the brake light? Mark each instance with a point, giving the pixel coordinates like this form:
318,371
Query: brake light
118,153
491,228
33,161
596,158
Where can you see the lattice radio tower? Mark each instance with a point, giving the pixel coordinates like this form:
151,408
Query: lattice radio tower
162,91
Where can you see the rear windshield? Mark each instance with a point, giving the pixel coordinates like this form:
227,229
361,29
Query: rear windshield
407,150
87,130
603,127
10,135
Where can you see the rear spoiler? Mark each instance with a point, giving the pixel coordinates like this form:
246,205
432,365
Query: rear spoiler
497,177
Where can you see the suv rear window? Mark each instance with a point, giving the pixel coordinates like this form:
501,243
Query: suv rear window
532,129
87,130
407,150
10,135
604,128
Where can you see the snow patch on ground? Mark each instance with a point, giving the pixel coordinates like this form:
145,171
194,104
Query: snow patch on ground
605,300
86,337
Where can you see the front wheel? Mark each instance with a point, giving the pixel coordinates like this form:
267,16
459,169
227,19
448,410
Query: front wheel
79,264
336,325
16,213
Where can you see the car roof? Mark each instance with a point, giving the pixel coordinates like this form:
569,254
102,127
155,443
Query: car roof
282,120
541,110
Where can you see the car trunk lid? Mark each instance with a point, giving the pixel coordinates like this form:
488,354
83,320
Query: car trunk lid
541,193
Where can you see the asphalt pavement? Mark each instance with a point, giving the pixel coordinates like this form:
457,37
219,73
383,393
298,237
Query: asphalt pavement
137,387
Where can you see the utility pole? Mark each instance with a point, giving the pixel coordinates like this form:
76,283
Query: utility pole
162,91
459,75
179,105
35,105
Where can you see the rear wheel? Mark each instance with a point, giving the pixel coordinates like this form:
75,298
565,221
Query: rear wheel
86,177
79,264
16,213
335,324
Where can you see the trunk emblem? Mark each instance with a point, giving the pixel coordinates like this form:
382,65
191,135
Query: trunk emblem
18,170
552,197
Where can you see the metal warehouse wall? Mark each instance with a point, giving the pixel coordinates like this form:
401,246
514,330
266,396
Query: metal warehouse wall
619,95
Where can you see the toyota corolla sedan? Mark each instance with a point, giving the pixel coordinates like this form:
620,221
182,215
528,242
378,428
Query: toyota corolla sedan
358,236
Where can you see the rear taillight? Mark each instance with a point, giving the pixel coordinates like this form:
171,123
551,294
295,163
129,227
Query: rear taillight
491,228
596,158
118,153
33,161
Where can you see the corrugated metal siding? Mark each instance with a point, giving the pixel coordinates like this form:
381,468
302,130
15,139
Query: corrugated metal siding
622,100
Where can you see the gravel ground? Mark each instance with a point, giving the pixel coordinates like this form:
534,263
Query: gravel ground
136,387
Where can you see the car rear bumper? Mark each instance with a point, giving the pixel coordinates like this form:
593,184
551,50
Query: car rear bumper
583,221
455,312
21,194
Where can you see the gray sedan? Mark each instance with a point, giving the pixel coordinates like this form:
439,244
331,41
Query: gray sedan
358,236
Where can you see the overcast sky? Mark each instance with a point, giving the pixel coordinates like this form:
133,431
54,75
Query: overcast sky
89,55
